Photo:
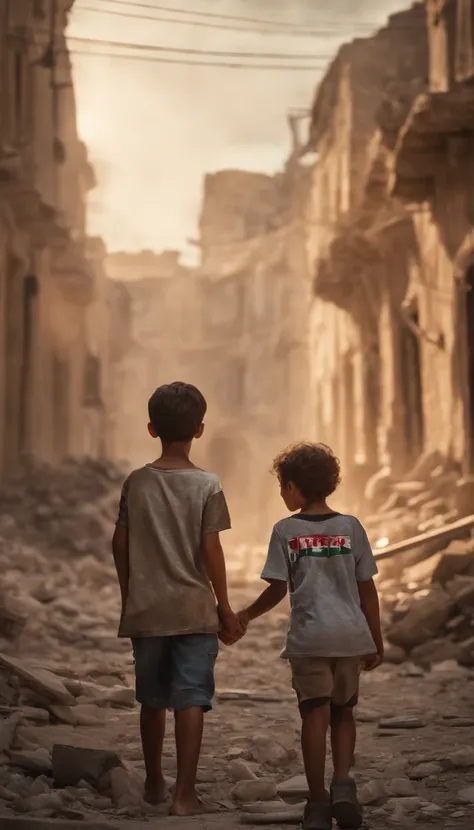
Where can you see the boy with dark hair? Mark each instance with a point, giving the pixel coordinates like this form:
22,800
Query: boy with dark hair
325,560
172,576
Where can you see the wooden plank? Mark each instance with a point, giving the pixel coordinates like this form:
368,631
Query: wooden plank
441,535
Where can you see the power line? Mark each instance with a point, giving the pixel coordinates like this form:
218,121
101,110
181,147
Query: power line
204,52
210,15
276,25
183,62
206,25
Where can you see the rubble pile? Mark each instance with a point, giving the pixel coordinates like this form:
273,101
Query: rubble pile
47,779
57,582
428,611
432,495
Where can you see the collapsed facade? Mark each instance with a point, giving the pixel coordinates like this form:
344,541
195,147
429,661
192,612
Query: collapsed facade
390,248
360,245
433,174
236,326
52,280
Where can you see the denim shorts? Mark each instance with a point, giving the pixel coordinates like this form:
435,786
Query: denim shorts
175,672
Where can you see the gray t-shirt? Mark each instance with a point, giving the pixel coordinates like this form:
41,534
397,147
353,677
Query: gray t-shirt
322,558
167,513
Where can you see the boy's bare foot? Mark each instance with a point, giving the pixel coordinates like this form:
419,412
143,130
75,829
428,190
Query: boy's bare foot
190,807
155,794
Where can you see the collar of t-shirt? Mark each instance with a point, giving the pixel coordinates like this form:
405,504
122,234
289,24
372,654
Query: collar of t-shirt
321,517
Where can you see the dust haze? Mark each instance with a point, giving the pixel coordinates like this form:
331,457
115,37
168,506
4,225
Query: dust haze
153,130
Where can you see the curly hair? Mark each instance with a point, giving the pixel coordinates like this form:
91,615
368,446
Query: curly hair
312,468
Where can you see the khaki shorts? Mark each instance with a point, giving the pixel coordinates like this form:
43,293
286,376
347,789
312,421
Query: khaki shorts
326,679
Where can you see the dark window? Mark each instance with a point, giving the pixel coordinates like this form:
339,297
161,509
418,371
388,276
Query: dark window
92,382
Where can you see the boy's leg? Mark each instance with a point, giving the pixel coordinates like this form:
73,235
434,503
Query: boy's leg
312,682
192,690
315,723
152,729
345,805
343,739
152,692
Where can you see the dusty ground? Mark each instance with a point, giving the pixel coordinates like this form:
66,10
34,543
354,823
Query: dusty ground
442,700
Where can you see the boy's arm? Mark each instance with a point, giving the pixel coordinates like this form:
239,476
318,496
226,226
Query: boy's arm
214,564
276,573
121,559
366,569
369,602
268,599
120,544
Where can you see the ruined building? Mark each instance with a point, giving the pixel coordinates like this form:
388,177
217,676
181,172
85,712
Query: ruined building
236,326
432,173
52,388
360,248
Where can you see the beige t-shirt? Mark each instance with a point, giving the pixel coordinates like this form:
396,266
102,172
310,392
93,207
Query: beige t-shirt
167,513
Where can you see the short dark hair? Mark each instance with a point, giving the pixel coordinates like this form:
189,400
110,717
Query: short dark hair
176,411
312,468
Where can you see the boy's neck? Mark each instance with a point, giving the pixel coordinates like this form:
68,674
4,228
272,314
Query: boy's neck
317,508
175,455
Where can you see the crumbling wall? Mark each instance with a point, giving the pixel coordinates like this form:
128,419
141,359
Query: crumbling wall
47,279
237,327
355,270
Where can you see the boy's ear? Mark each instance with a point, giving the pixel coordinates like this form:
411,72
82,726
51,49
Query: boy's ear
200,431
152,431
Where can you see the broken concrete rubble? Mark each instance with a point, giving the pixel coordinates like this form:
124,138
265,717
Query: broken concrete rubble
428,607
74,764
57,583
431,495
40,680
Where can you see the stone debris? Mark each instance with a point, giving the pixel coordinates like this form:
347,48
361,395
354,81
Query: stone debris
426,770
294,787
461,758
126,787
290,815
72,764
266,750
374,792
57,585
402,723
8,727
467,795
431,495
428,608
401,787
240,771
35,762
263,789
39,680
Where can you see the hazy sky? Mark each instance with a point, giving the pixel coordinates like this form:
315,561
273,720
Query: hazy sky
154,130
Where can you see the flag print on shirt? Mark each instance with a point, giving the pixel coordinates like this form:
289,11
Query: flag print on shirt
322,547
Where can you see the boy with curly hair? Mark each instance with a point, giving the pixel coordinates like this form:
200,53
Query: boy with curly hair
325,561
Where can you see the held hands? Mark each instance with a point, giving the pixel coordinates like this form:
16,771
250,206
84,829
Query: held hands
233,626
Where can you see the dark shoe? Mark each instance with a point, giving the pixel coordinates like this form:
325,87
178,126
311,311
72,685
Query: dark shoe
345,805
317,817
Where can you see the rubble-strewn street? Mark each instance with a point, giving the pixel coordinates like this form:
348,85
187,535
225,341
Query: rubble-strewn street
69,737
415,759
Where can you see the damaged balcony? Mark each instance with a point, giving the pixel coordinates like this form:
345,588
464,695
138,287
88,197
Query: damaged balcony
73,271
39,220
340,277
422,143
